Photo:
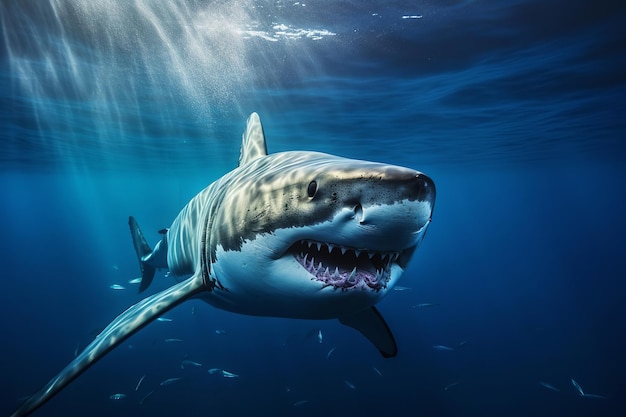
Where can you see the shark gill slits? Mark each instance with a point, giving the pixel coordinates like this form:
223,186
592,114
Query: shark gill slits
312,189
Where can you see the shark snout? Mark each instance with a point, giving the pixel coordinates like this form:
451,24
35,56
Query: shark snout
393,212
418,188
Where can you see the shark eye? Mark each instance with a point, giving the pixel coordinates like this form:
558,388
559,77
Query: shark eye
312,189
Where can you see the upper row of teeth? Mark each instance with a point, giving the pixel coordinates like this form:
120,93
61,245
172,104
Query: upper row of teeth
370,254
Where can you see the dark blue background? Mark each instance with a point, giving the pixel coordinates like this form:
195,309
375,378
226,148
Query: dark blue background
516,111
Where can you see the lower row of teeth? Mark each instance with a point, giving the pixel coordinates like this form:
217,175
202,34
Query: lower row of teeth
337,277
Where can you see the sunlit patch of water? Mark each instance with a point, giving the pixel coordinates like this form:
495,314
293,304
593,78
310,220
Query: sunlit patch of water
114,77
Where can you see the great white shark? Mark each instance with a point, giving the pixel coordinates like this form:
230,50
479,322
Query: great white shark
294,234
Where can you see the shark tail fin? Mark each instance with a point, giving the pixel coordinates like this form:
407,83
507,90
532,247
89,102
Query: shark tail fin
142,249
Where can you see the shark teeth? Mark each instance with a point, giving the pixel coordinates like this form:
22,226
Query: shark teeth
330,247
343,267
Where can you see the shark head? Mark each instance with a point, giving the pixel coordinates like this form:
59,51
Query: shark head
314,235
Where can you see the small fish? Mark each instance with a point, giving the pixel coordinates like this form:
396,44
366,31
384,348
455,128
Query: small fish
582,393
377,371
227,374
452,385
549,386
220,332
116,287
299,403
330,352
319,336
460,345
164,319
443,348
349,385
214,371
401,288
173,340
163,231
193,310
135,281
139,383
424,305
578,387
117,268
594,396
117,396
145,397
188,362
170,381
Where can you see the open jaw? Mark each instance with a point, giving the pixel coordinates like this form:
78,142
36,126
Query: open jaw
343,267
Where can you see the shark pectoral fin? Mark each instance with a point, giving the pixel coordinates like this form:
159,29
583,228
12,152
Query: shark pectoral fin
120,329
372,325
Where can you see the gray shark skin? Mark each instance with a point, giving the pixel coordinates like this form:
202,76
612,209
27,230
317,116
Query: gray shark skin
294,234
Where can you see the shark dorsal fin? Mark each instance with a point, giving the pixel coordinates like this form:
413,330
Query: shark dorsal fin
253,141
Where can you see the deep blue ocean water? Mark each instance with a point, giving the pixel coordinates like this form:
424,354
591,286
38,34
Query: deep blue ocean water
516,109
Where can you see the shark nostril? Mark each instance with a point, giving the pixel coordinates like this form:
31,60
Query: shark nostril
358,212
424,188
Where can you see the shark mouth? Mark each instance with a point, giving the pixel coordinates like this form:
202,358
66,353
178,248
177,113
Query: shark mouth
346,268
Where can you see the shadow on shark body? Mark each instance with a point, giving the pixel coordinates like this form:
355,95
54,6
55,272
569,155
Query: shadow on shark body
294,234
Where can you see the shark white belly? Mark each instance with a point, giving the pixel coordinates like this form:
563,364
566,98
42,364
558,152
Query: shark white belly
294,234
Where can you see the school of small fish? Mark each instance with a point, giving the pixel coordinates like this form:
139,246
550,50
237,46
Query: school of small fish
189,363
